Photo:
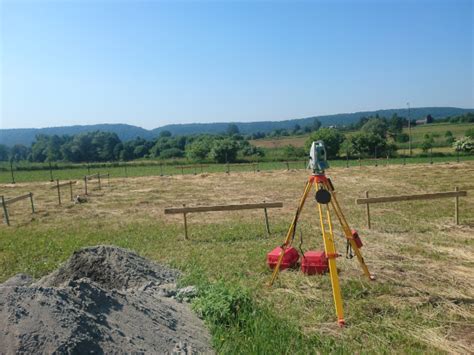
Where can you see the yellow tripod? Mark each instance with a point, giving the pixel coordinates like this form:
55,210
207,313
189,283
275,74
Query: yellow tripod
325,197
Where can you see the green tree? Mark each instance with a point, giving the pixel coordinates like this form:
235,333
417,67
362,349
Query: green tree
224,150
332,139
449,137
199,149
171,153
165,134
53,152
19,152
402,138
39,148
428,142
370,144
4,152
376,126
232,129
316,124
395,126
470,133
292,152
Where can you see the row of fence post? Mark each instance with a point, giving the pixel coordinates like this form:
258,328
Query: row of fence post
256,165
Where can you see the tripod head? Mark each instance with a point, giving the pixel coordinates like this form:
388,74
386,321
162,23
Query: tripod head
317,158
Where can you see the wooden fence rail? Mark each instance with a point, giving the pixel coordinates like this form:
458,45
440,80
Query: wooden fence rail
95,176
429,196
235,207
6,202
58,187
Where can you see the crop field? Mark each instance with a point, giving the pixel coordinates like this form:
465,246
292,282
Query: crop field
279,142
438,130
422,300
418,133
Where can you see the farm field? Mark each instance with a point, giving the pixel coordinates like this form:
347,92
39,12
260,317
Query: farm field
438,129
418,133
422,300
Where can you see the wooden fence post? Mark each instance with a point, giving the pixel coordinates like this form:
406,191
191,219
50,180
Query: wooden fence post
50,172
185,225
85,185
368,210
5,211
13,176
98,177
59,191
267,225
32,204
456,207
70,190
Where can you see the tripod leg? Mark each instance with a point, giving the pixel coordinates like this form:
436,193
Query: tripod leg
291,231
348,232
330,249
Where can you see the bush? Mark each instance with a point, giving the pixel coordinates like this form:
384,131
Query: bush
171,153
465,144
470,133
224,150
332,139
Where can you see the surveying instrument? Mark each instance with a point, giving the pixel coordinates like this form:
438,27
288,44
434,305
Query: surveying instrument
326,201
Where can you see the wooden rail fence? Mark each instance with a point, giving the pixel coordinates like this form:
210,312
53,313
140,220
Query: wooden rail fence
58,187
95,176
235,207
6,202
429,196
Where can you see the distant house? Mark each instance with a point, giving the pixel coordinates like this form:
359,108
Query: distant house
426,120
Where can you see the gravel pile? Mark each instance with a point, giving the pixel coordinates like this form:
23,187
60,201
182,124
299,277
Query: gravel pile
104,299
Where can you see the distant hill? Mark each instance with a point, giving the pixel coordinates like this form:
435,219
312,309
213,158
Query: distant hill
327,120
128,132
26,136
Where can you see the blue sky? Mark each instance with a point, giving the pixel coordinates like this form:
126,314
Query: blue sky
151,63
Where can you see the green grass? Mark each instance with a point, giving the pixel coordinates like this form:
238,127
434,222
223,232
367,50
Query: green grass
228,300
439,129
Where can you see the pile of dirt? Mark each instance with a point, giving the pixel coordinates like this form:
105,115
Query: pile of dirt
104,299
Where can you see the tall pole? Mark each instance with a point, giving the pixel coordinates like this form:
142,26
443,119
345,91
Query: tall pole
409,130
50,172
11,170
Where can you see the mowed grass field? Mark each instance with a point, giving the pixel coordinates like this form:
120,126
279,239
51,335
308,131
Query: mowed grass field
422,300
76,172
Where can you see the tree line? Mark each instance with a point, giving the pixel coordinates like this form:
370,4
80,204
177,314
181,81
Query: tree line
101,146
368,137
